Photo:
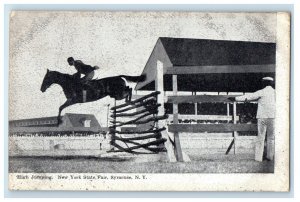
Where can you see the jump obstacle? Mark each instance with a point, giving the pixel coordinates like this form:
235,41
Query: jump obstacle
141,111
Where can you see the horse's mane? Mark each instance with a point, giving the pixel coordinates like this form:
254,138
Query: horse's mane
62,74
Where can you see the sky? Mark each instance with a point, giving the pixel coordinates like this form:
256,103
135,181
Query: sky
117,42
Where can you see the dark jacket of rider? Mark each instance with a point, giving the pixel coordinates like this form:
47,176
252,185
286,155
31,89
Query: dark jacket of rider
82,68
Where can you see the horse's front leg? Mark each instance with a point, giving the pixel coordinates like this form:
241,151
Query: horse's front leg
66,104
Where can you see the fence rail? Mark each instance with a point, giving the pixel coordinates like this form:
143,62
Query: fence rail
196,128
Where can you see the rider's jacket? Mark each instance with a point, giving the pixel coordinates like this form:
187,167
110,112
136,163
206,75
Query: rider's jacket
83,68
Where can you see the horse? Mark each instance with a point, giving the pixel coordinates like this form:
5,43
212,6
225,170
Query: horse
78,92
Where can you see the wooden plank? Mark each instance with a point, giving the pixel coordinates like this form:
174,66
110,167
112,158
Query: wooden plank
199,99
144,121
221,69
203,117
129,150
145,97
154,142
144,104
155,135
136,101
138,130
133,121
198,128
151,109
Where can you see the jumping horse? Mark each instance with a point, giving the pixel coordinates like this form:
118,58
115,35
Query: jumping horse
78,92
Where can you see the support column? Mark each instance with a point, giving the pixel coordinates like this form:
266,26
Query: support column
228,109
228,113
234,122
175,121
159,86
196,105
175,106
114,128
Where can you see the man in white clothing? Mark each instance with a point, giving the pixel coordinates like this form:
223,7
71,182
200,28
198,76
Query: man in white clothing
265,117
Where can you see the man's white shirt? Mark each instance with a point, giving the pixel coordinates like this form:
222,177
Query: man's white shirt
265,99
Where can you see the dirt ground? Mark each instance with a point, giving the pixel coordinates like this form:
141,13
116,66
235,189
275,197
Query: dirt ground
208,163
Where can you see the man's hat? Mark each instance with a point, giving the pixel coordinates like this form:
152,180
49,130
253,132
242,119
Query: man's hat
267,79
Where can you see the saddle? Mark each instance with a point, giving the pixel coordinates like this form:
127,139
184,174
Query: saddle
83,83
86,84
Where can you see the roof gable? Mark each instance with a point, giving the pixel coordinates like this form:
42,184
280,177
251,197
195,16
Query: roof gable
158,53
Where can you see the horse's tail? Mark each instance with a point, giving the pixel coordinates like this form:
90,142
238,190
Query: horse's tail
134,78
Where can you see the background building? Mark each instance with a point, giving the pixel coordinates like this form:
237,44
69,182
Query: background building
71,124
79,134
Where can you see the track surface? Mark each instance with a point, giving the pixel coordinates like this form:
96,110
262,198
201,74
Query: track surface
209,163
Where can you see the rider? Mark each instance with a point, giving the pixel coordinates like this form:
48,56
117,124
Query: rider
82,68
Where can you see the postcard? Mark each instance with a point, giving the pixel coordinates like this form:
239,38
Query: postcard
149,101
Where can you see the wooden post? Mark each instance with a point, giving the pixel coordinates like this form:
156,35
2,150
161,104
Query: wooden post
227,105
114,128
175,106
234,121
228,113
228,109
196,106
175,121
159,86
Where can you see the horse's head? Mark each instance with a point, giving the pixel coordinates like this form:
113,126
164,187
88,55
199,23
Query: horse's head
48,81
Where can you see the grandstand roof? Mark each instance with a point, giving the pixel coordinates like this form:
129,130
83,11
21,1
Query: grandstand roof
210,65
